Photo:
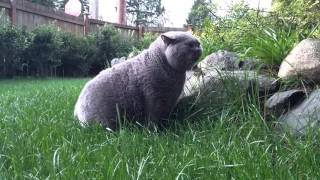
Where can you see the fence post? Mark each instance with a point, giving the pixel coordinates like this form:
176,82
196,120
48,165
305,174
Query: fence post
122,12
141,31
13,12
86,24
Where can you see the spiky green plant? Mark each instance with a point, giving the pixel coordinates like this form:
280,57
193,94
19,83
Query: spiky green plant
270,46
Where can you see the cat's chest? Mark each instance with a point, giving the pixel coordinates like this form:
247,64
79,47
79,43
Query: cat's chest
170,88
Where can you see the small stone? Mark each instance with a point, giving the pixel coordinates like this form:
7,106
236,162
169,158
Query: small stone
281,102
304,116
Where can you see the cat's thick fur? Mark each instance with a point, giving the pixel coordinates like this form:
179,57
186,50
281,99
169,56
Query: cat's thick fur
145,87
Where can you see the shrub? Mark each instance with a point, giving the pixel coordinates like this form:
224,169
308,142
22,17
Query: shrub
47,51
76,55
43,54
145,42
109,44
12,45
142,44
271,46
225,32
303,13
268,37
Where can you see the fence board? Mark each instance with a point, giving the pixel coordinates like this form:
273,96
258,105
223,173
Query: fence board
31,15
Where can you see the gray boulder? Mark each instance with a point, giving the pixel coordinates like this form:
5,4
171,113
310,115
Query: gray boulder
250,64
304,116
281,102
303,60
215,81
221,60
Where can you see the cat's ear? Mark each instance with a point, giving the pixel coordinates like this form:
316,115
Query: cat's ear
167,38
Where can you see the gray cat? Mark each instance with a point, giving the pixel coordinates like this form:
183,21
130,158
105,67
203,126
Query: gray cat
144,88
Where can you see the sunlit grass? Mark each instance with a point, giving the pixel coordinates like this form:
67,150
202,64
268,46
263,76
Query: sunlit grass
225,139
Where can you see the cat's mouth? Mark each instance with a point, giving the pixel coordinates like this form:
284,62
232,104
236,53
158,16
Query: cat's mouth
196,55
193,58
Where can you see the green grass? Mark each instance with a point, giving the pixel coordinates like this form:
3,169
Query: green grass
220,139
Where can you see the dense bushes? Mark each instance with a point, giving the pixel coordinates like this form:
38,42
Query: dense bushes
267,36
13,43
109,44
43,54
48,51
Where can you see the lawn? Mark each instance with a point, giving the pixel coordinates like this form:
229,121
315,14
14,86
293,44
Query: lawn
223,139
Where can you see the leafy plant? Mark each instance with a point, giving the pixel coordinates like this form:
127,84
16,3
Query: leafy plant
43,53
201,10
271,46
268,37
12,45
144,12
145,42
76,55
109,44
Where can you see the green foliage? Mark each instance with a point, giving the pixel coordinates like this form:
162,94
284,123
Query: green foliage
145,42
13,42
225,32
253,33
48,51
303,14
76,55
144,12
43,53
110,44
200,11
142,44
271,46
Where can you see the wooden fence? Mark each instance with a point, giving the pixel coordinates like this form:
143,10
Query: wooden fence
30,15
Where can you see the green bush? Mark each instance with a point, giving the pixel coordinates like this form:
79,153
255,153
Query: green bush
224,32
43,54
109,44
12,45
145,42
268,37
270,46
303,13
48,51
76,55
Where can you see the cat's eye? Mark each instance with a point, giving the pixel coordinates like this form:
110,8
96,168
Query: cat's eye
194,44
191,44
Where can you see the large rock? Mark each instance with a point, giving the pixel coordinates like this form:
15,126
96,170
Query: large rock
216,81
304,116
303,60
281,102
221,60
251,64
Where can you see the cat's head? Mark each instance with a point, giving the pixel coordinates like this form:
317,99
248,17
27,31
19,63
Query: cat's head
182,49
